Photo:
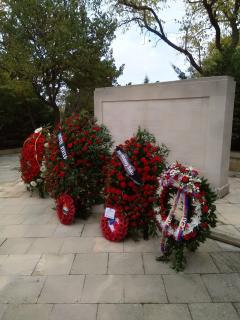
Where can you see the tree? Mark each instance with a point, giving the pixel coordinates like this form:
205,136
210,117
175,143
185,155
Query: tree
49,42
20,111
209,38
204,21
146,79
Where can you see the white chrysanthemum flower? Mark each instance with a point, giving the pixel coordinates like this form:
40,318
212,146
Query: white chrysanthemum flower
43,169
38,130
46,145
33,183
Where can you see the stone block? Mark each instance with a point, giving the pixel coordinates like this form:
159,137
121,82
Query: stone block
53,264
16,245
151,266
28,312
185,288
151,245
46,245
144,289
25,289
19,264
200,262
62,289
74,230
78,245
92,230
90,263
125,263
74,312
166,312
213,311
204,106
227,262
223,287
103,289
120,312
103,245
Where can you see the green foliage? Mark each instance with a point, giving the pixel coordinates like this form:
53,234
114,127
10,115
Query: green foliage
54,45
20,112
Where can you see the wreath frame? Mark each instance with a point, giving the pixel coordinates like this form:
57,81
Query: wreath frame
65,209
120,226
200,212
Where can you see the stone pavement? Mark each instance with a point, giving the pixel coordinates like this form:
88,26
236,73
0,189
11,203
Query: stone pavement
51,271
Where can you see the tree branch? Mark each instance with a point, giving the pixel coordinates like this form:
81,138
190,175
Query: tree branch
213,19
160,33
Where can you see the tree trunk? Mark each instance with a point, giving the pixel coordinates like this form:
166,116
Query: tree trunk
56,113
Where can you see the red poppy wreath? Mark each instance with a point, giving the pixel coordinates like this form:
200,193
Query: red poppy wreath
65,209
115,229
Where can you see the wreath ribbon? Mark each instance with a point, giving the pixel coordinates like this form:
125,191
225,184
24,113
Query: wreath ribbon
179,232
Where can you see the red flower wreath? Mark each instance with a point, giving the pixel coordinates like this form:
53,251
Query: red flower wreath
65,209
115,229
136,201
31,156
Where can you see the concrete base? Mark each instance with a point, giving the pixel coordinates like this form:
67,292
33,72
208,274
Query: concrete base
223,191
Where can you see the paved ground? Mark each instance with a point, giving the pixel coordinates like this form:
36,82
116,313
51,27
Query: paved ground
51,271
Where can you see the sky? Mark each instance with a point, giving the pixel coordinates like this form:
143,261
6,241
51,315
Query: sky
142,57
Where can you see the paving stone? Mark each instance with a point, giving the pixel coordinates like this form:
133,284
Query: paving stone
39,231
230,212
53,264
227,261
74,312
92,230
36,218
103,289
16,245
103,245
74,230
28,312
151,266
20,289
19,264
166,312
234,196
227,247
12,206
13,231
200,262
62,289
11,219
77,245
223,287
3,257
125,263
209,246
228,230
213,311
90,263
144,289
185,288
3,308
237,307
120,312
151,245
45,245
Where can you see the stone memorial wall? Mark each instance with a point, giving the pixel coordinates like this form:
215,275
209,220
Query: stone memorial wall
192,117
